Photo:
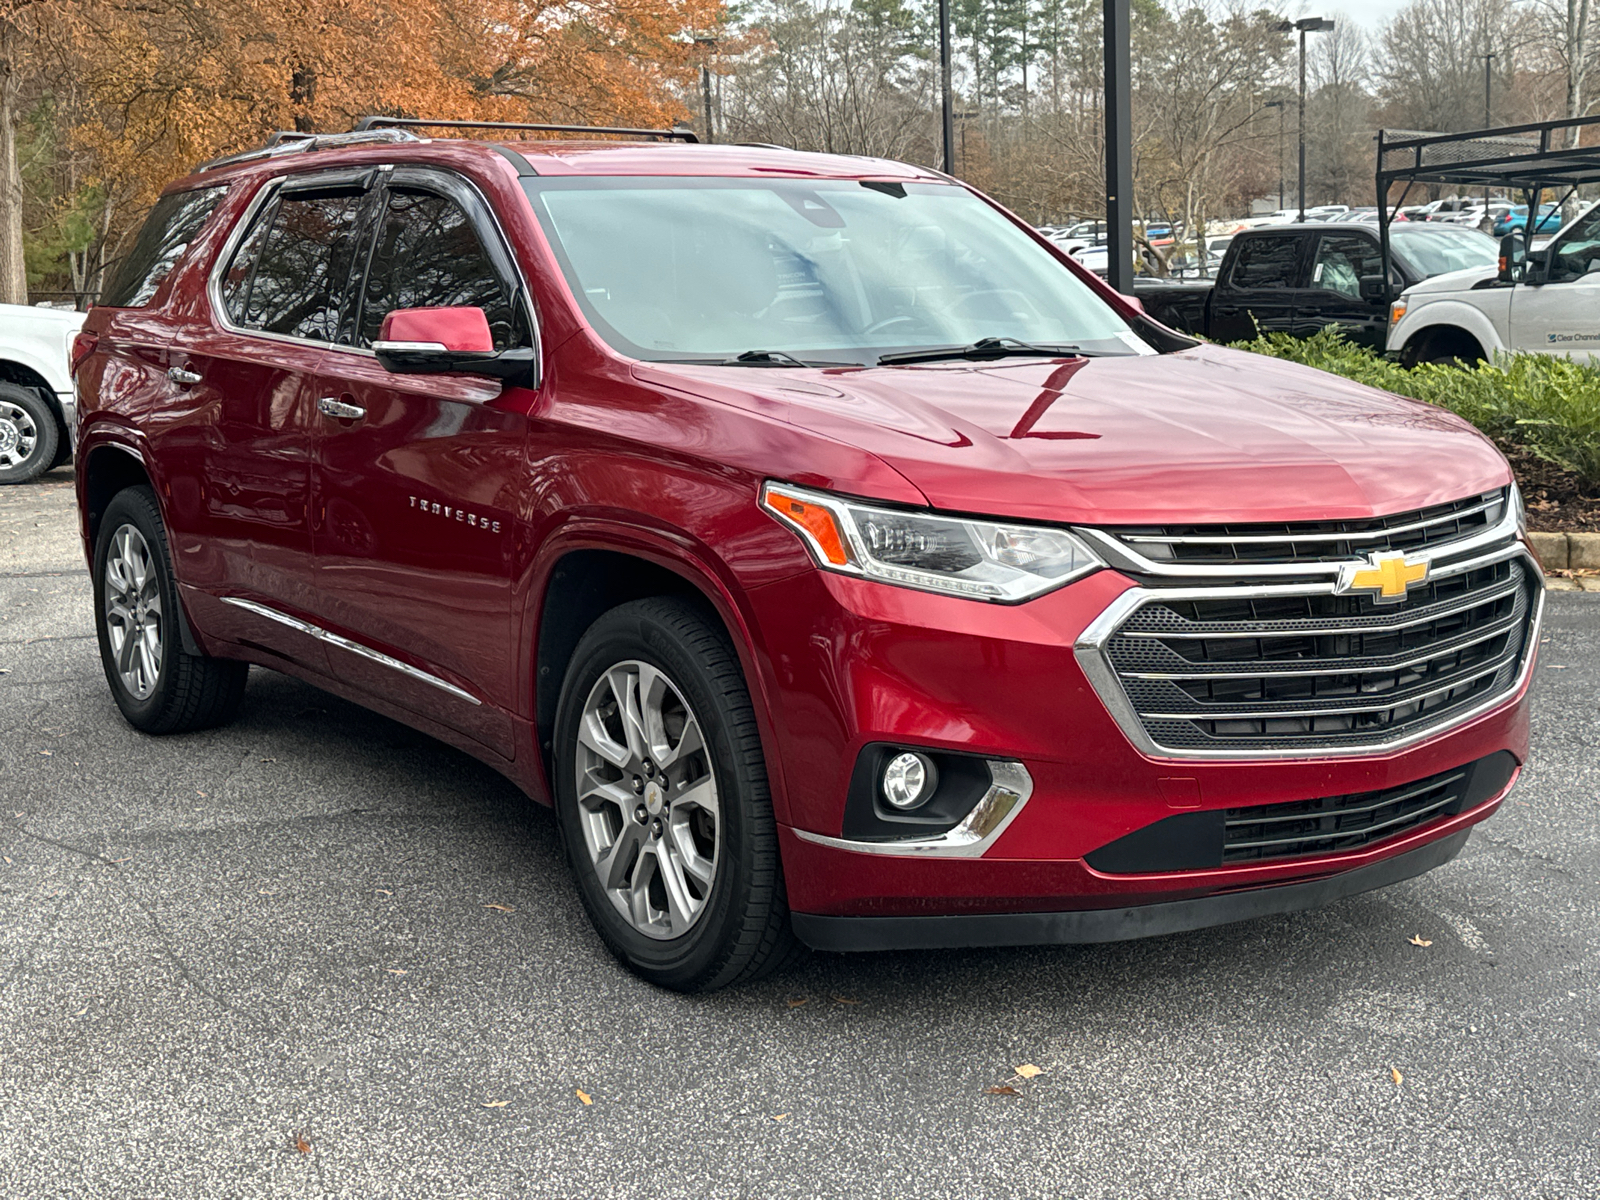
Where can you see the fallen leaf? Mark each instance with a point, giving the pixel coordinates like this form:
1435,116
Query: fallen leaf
1001,1090
123,860
1417,939
80,1012
845,1000
583,1097
495,1103
793,1002
1398,1078
47,753
383,891
266,891
396,970
8,859
500,907
301,1144
780,1116
1028,1070
198,792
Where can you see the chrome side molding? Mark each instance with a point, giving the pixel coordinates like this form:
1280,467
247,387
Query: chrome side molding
343,643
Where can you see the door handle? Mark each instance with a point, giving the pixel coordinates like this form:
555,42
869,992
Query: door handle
179,375
330,407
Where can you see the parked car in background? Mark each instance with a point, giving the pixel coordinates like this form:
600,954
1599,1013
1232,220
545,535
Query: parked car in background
36,405
841,561
1515,220
1547,304
1302,278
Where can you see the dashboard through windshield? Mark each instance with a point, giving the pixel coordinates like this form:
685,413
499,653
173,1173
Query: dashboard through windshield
840,271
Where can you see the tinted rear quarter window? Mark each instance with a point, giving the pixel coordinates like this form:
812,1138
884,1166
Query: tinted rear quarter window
1266,262
171,226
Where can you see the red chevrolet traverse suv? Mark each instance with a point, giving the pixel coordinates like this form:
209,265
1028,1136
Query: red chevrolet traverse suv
844,564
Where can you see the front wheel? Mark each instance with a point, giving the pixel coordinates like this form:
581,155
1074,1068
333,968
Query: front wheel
661,793
29,438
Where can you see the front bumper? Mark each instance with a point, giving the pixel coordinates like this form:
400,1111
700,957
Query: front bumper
849,662
1115,924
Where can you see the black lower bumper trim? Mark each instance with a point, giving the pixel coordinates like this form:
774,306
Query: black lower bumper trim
1115,924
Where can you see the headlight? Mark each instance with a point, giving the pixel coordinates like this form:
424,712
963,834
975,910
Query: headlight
982,560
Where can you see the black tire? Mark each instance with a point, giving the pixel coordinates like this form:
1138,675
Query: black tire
185,691
27,426
742,932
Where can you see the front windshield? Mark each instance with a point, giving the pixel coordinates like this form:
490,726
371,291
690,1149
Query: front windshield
822,270
1437,251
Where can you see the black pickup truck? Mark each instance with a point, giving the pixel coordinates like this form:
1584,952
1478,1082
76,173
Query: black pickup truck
1299,279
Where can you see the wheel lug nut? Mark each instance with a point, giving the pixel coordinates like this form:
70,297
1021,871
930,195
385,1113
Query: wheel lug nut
649,768
655,829
638,786
640,813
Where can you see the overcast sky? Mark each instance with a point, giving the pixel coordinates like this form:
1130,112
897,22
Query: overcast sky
1369,14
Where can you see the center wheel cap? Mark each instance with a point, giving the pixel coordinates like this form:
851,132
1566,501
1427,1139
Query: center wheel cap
654,799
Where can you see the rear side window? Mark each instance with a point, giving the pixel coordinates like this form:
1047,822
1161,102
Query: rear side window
171,226
291,273
1267,262
427,254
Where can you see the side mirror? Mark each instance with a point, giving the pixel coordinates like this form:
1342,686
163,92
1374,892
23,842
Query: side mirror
1375,289
1513,251
439,341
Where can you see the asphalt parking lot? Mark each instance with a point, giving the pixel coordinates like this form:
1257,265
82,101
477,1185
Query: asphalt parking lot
275,960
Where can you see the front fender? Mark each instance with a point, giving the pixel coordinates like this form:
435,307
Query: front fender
1455,314
686,556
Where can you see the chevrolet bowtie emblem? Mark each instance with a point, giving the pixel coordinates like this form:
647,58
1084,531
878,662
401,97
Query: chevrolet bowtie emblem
1387,576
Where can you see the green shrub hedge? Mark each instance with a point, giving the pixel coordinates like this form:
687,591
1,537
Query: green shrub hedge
1549,406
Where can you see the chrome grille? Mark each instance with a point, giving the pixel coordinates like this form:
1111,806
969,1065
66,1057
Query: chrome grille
1238,671
1314,541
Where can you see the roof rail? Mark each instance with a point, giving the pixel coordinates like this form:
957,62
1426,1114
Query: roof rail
290,141
375,123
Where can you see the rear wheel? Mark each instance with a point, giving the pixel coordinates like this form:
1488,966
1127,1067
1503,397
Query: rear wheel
159,687
29,436
662,796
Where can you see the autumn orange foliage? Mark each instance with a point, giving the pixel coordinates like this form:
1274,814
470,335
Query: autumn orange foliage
167,83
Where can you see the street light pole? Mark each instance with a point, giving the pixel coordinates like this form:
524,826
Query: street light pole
1304,25
947,112
1280,106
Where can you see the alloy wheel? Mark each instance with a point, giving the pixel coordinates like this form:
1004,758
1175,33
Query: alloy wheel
18,434
133,612
647,800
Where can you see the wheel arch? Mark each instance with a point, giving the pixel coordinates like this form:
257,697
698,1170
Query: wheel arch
1449,319
588,575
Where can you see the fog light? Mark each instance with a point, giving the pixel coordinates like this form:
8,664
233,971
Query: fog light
909,780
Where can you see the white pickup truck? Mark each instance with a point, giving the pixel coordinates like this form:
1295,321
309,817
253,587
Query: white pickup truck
37,412
1548,304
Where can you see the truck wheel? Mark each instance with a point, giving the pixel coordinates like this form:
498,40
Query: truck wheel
662,799
159,687
29,436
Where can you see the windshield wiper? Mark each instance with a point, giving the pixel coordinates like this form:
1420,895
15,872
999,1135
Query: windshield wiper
984,349
761,358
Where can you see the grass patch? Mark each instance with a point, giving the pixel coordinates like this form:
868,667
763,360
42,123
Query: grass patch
1539,404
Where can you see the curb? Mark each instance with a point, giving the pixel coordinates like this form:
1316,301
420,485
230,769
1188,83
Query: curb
1568,552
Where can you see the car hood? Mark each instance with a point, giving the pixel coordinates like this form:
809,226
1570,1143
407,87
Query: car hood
1204,435
1453,281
